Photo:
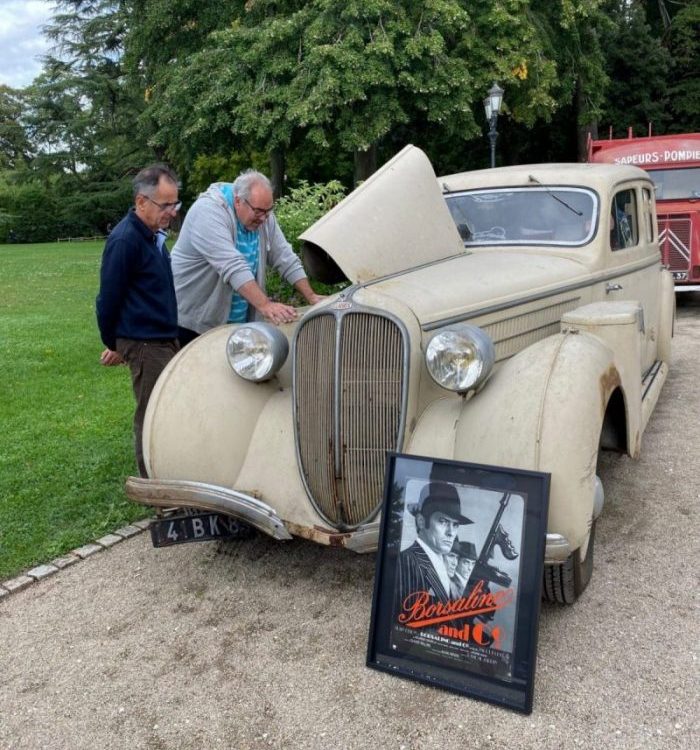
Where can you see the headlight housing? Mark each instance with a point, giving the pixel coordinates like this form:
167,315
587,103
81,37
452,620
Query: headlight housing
460,357
257,351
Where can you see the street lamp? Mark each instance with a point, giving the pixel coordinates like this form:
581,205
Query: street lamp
492,106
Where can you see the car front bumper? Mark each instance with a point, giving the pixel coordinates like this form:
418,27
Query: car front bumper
169,493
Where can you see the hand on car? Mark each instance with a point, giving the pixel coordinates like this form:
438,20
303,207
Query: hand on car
277,313
314,298
109,358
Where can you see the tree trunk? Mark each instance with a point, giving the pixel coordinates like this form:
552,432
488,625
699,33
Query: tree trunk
365,163
584,130
277,167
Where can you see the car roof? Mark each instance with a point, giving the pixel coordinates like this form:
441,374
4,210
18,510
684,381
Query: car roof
595,176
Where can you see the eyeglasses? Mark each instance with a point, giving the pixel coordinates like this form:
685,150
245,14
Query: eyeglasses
261,212
165,206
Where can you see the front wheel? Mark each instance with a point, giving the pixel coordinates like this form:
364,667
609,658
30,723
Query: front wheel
563,584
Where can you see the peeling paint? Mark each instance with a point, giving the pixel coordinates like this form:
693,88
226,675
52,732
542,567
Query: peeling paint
319,534
609,380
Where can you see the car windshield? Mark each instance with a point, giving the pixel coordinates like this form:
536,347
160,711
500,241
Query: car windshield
525,216
670,184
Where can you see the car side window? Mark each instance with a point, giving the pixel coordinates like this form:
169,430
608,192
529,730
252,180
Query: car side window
623,220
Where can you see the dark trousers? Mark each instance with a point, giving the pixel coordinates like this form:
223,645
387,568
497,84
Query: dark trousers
146,360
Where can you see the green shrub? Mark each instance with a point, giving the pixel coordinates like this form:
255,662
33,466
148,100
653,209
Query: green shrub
27,211
295,213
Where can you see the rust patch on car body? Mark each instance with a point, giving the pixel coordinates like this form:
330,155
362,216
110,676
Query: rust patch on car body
609,380
319,534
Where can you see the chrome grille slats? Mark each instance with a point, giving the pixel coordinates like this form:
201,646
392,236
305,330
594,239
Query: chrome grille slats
370,403
314,359
367,353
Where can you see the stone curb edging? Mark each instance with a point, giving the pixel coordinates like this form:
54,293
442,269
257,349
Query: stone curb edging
80,553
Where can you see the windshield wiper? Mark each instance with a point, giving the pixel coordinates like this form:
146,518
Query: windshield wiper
556,197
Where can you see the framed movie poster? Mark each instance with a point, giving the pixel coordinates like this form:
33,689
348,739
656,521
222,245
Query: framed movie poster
459,574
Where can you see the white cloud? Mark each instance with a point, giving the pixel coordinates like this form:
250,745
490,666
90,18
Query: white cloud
21,40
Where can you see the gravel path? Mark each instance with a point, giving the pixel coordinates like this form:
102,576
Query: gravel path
265,646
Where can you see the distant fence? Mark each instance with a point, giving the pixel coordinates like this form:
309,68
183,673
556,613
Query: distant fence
82,239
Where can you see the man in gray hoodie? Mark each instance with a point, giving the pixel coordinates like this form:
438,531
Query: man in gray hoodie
228,238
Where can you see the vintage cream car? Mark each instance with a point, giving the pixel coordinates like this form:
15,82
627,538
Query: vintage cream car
518,317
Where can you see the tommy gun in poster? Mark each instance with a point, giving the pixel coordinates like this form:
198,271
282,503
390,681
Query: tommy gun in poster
459,577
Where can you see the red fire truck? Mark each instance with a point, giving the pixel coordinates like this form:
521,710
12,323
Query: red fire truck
673,163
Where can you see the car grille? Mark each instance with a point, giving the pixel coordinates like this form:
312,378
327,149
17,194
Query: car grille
674,241
349,394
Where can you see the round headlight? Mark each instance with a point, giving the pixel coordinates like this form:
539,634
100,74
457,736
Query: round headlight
460,357
256,351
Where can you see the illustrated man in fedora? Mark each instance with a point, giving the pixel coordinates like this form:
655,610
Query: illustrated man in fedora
422,567
466,560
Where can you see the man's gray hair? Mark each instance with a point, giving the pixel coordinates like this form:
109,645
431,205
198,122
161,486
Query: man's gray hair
245,182
146,181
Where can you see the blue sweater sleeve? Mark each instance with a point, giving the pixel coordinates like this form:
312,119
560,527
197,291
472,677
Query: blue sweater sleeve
117,261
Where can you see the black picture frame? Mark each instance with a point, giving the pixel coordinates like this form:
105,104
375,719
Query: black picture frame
481,642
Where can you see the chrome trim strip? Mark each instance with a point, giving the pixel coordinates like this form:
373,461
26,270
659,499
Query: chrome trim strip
337,454
396,274
592,281
650,377
166,493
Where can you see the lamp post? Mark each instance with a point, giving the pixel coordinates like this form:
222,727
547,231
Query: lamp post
492,106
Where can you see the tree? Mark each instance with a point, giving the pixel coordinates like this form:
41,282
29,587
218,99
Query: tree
15,149
638,66
80,115
332,75
83,101
684,90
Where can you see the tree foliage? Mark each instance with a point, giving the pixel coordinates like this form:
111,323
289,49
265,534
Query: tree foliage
80,114
15,149
683,41
652,58
323,89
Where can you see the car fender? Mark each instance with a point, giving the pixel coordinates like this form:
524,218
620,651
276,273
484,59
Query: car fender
201,416
542,410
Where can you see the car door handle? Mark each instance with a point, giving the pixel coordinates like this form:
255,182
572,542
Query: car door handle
612,288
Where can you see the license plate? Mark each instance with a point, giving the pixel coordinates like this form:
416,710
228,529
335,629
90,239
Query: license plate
201,527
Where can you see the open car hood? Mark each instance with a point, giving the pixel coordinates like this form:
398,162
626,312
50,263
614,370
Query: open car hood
395,220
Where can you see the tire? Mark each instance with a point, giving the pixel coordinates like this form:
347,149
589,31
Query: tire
563,584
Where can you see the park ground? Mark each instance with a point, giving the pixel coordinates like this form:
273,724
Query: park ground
263,644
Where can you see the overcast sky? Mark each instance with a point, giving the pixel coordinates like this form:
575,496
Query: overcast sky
21,40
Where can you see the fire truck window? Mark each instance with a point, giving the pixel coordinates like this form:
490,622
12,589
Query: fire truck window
623,220
676,184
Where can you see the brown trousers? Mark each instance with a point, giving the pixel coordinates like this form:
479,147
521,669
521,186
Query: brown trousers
146,360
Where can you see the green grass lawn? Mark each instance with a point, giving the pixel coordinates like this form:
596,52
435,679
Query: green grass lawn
65,421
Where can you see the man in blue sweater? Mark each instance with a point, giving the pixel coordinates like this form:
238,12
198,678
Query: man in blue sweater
136,304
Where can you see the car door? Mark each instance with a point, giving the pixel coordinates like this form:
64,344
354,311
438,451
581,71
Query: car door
633,259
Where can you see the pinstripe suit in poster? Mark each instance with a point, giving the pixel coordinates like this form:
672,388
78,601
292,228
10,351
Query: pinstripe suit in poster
416,573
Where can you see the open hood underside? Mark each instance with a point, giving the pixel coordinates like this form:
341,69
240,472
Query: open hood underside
394,221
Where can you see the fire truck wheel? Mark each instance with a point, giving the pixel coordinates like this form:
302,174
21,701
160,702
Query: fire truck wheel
563,584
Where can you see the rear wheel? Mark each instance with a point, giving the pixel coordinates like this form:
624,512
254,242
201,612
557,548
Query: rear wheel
563,584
